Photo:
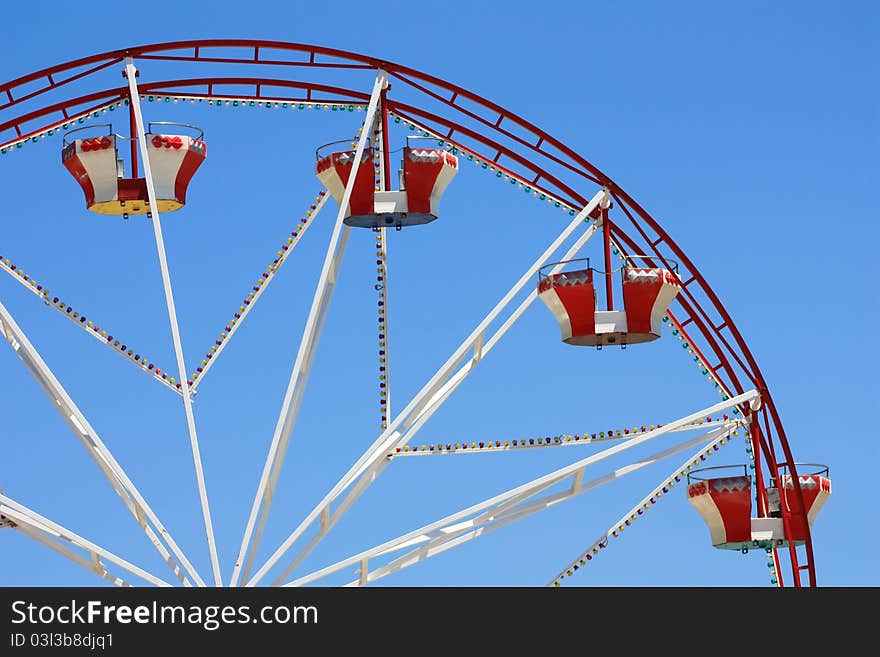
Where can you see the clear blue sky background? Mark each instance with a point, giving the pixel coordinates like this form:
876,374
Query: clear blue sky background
749,130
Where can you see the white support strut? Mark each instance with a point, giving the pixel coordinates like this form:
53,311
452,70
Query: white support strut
134,99
60,539
509,505
716,437
86,434
305,355
451,537
429,398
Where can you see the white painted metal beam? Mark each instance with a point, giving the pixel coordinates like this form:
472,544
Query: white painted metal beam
134,99
300,374
100,454
62,540
716,437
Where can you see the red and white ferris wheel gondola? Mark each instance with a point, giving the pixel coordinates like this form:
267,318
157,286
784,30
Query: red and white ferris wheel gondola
97,168
724,499
538,163
647,295
424,175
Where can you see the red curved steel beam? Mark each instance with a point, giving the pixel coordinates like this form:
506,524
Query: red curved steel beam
346,95
413,78
119,93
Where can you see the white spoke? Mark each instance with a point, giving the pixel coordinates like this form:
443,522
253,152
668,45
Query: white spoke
61,540
431,395
716,438
453,537
494,507
304,358
93,444
131,72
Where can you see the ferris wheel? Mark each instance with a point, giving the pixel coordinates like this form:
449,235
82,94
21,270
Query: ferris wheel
611,279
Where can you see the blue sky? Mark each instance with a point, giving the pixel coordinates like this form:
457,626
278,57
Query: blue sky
749,131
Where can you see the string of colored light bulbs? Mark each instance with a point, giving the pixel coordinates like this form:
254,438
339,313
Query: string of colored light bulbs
560,440
257,289
58,127
248,102
380,287
617,529
88,325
